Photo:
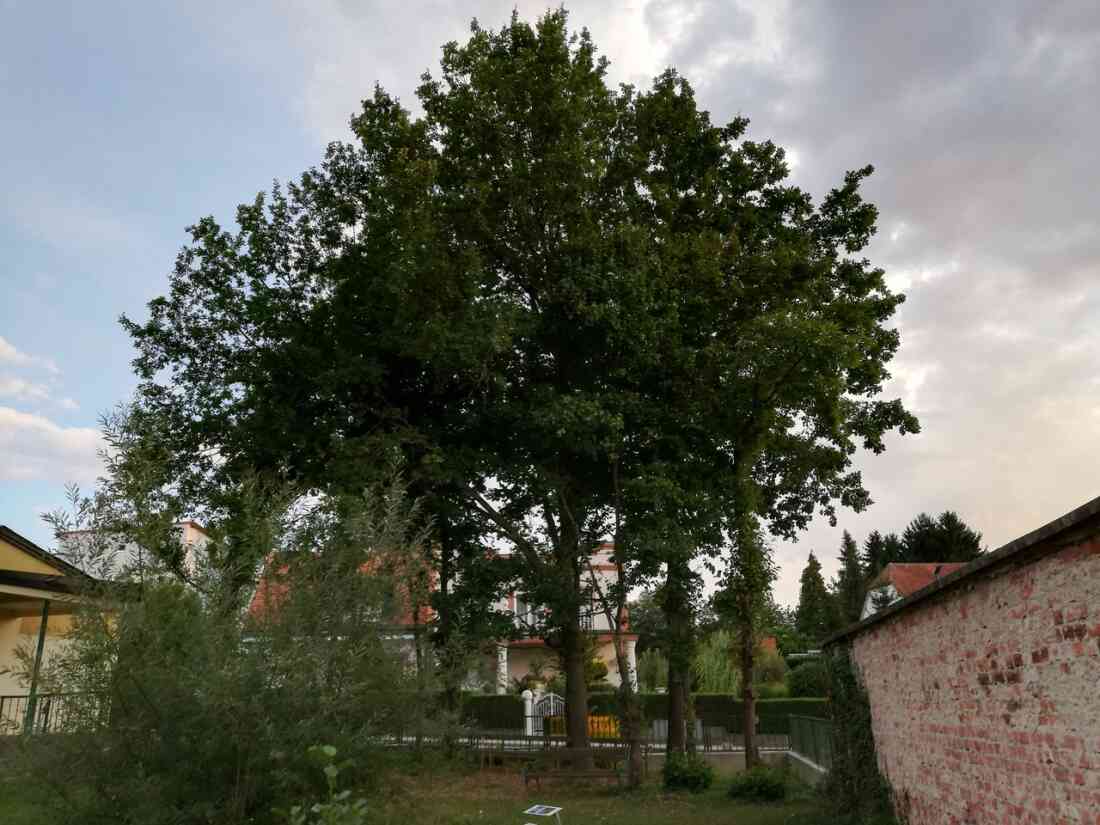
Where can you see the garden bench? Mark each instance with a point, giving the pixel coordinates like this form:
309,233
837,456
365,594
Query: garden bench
572,763
538,775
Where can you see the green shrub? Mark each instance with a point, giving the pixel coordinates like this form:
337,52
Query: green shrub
770,667
339,808
721,709
503,712
761,784
809,679
715,709
715,666
687,772
856,790
652,670
211,712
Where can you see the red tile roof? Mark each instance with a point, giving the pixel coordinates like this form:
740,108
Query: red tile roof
273,588
909,578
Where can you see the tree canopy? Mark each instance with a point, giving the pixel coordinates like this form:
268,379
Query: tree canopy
944,539
571,310
849,586
815,616
879,551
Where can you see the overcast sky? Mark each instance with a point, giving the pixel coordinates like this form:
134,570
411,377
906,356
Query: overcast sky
124,122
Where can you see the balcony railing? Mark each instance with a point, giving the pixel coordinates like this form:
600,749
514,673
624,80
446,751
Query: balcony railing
53,713
529,623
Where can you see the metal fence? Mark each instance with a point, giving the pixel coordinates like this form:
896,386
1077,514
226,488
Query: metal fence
606,730
812,738
53,713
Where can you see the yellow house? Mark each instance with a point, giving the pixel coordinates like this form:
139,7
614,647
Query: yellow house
38,594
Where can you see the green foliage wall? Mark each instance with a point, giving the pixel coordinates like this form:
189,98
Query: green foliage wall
715,667
809,679
724,709
855,787
503,712
715,709
652,670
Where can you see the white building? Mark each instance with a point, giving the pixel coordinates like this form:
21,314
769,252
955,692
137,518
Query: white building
516,658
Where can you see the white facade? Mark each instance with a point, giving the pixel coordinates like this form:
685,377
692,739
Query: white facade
517,658
102,558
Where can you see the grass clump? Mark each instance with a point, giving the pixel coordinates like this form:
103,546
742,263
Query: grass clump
760,784
687,772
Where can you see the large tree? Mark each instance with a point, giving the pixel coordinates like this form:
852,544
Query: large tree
770,374
569,310
849,587
944,539
815,616
879,551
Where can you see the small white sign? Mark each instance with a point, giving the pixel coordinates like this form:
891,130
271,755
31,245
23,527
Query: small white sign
544,810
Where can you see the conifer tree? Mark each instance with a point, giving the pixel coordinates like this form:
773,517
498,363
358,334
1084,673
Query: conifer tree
849,588
944,539
815,615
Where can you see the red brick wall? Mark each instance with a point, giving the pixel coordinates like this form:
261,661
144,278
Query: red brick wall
985,698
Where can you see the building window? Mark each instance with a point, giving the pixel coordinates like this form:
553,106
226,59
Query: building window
526,615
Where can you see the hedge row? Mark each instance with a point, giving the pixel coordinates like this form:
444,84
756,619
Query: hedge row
715,709
724,710
493,712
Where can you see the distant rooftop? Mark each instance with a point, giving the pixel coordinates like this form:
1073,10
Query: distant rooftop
908,578
1038,543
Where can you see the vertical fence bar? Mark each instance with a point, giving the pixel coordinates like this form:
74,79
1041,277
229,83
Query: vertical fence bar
817,742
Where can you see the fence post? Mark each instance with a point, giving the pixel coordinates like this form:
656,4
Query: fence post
528,713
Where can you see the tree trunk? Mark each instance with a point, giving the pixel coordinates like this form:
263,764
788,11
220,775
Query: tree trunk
444,628
677,710
576,690
754,581
421,674
689,718
678,616
748,649
631,718
630,709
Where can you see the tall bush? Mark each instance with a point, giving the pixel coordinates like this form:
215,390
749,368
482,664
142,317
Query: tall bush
855,788
652,670
715,666
809,679
212,707
770,668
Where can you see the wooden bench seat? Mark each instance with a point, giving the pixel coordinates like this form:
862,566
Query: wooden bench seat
537,775
594,763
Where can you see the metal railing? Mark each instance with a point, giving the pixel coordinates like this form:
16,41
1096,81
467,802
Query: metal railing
812,738
53,713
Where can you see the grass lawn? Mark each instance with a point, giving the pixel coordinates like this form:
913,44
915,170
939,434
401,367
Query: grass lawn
448,797
492,798
13,811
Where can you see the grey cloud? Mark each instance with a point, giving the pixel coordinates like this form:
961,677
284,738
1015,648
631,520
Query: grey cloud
981,121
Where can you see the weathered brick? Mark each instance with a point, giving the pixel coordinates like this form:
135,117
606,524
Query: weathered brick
991,714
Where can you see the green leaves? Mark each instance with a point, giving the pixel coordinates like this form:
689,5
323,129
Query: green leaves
571,309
